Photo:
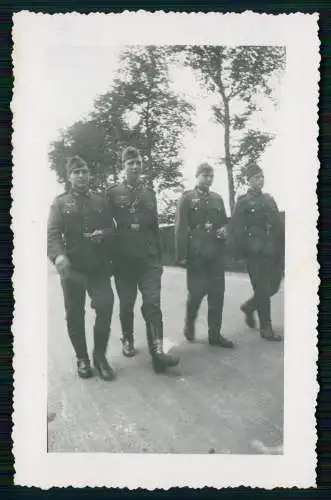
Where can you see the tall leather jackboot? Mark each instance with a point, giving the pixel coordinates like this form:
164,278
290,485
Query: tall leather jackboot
248,309
217,340
160,360
189,329
128,348
268,333
101,364
149,337
82,358
126,317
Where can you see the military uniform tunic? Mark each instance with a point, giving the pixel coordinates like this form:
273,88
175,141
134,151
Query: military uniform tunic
73,215
137,253
257,234
199,215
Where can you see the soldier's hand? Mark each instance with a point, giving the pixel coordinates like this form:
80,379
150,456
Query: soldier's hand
182,262
62,265
222,233
96,236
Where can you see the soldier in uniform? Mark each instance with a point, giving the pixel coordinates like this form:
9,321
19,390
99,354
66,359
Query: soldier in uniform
137,258
257,233
80,226
200,233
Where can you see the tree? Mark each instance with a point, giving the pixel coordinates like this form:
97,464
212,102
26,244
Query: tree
167,204
249,149
109,114
153,117
85,139
236,76
140,109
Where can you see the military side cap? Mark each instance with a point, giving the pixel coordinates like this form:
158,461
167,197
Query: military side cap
204,167
75,163
253,169
130,153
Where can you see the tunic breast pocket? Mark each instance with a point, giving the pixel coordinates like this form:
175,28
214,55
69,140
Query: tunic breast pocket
251,215
94,219
194,211
214,215
195,204
71,217
122,202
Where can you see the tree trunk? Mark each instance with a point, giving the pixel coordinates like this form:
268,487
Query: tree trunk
231,189
228,162
227,125
149,146
150,170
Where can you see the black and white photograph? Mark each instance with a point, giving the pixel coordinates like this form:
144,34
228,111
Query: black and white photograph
166,276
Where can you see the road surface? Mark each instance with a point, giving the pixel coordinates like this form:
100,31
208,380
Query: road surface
216,401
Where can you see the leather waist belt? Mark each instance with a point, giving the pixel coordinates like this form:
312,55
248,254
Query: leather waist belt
135,227
262,230
208,227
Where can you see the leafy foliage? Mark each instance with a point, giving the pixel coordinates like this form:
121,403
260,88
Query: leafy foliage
87,140
141,110
237,76
167,204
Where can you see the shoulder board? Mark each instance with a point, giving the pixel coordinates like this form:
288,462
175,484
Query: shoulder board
61,196
270,199
187,191
99,196
242,197
217,195
113,185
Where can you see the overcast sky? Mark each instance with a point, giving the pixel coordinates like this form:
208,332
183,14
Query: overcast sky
75,76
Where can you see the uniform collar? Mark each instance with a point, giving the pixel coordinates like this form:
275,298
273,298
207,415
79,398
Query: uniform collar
132,188
254,192
80,194
202,192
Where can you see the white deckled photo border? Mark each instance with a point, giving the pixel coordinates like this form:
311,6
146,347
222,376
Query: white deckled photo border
33,33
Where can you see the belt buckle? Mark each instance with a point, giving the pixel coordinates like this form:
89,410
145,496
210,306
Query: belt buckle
208,227
135,227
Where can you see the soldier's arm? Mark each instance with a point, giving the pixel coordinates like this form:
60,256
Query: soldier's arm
181,229
276,217
109,224
155,227
55,243
236,228
224,218
279,223
105,227
272,203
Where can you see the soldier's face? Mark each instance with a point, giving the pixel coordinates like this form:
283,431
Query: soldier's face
257,181
132,169
205,179
80,177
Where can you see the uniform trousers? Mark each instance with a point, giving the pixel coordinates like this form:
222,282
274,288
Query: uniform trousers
206,278
265,274
98,287
143,274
